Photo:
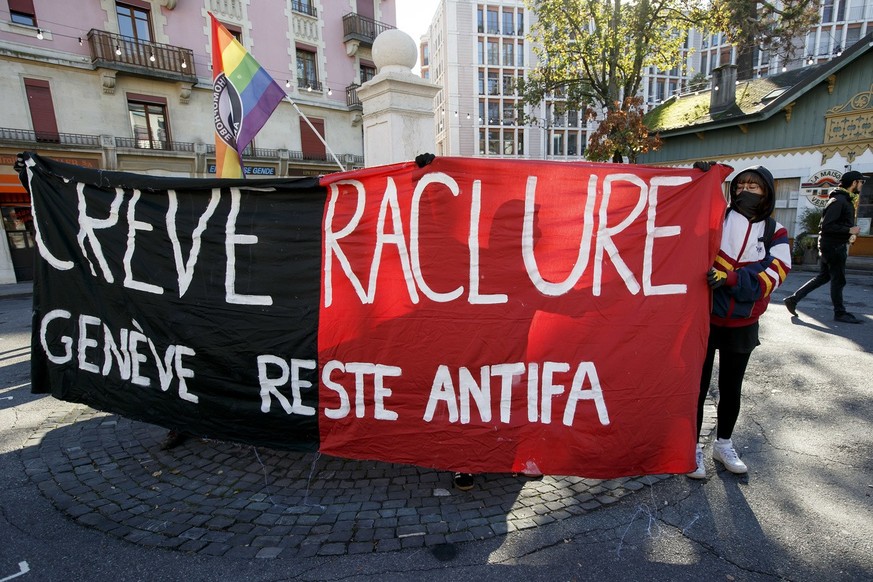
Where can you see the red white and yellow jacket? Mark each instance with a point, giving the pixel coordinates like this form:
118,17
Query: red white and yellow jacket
753,271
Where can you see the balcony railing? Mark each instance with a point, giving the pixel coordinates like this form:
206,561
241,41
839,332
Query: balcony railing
124,53
364,30
303,7
304,84
352,99
154,144
28,136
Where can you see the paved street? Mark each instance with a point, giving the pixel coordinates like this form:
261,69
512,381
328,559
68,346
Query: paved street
90,496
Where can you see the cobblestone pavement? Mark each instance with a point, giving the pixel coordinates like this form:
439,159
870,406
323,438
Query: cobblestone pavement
217,498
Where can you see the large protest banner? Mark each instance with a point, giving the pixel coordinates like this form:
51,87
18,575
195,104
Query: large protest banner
475,315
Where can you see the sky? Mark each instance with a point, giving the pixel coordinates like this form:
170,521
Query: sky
413,18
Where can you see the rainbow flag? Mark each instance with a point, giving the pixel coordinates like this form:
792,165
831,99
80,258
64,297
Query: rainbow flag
244,96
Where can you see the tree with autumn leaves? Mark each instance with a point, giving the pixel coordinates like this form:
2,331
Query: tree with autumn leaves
621,134
593,53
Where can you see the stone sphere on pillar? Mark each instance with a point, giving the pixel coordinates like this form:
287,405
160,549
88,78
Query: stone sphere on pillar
394,51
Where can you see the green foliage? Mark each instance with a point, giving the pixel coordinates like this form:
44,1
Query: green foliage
811,219
769,24
592,53
809,224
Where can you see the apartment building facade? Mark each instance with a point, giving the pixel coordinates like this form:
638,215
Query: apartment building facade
477,51
127,85
475,48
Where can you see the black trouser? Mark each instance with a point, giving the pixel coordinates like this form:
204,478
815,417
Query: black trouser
832,268
731,370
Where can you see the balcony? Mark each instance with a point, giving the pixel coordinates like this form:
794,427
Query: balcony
304,7
151,59
361,30
352,99
308,85
27,137
58,145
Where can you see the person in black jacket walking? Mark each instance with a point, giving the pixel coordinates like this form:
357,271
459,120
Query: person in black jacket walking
837,226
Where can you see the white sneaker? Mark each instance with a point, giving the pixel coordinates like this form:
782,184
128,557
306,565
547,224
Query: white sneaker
723,451
700,472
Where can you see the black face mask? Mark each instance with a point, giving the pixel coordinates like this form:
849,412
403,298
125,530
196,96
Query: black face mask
747,203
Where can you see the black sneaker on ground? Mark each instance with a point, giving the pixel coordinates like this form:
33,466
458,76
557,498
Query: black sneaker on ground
846,318
791,305
463,481
173,439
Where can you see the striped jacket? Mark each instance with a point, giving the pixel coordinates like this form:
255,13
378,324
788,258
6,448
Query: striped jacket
753,272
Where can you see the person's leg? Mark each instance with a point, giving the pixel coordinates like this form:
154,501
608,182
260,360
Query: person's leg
705,378
837,264
731,370
706,375
824,275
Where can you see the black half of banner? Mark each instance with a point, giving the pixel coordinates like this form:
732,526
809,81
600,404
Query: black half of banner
187,303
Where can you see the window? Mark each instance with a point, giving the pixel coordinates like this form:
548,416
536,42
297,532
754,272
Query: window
520,55
481,82
865,206
42,110
508,144
508,84
824,44
508,28
520,30
573,144
480,19
134,21
307,72
508,59
148,121
492,22
573,118
368,71
493,112
827,11
303,7
787,191
508,114
493,53
494,142
493,83
22,12
480,47
853,35
558,144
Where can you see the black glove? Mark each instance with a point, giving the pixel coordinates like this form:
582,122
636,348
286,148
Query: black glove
716,278
424,159
703,166
18,166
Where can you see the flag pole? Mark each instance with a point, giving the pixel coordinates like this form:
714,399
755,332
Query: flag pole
315,131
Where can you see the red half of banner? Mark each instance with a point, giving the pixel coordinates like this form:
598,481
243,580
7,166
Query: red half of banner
504,316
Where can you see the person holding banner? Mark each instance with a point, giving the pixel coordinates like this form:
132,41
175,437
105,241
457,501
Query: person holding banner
753,260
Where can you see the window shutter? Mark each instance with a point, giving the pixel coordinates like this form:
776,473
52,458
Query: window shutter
312,147
42,110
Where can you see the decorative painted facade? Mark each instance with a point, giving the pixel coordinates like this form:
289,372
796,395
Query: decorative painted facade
127,85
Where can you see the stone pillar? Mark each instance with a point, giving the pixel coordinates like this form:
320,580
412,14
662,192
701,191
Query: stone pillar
398,106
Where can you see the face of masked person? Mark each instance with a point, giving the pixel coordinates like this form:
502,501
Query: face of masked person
749,198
